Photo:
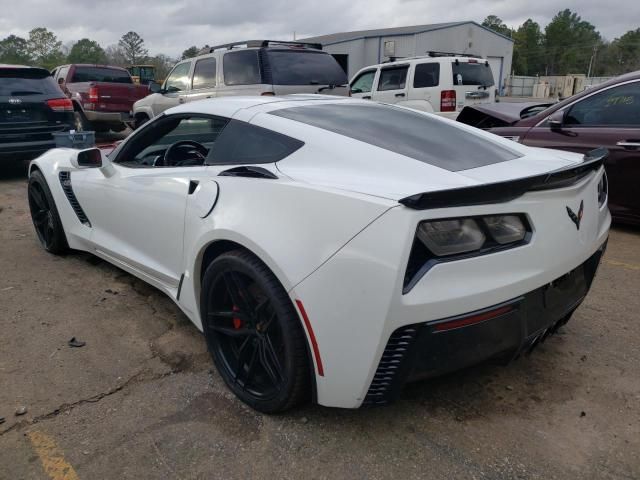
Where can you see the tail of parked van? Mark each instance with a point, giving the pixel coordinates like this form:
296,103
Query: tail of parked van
255,67
438,83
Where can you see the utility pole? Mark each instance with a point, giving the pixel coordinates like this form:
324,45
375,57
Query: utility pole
592,61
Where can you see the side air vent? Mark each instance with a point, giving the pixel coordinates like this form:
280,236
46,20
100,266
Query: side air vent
386,381
251,172
65,181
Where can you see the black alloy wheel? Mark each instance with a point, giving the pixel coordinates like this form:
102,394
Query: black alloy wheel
253,333
44,215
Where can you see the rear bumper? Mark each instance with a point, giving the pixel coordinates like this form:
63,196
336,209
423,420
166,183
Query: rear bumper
107,117
26,148
502,331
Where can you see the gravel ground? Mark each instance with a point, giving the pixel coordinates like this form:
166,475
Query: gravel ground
140,399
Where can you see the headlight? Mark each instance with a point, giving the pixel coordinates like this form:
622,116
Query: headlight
505,228
448,237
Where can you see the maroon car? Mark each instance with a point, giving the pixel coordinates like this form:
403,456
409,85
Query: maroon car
607,115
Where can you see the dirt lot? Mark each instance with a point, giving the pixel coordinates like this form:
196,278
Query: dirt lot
140,399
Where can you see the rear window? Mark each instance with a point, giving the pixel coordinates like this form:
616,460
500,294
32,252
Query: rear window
472,74
16,82
100,74
241,68
426,75
404,132
303,67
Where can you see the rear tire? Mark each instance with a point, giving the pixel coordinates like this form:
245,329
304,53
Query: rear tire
140,120
119,128
44,215
80,122
254,334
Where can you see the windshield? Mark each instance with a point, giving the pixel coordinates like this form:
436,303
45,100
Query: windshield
101,74
472,74
409,133
304,67
16,82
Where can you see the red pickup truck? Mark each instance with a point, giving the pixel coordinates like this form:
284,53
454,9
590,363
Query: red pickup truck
102,95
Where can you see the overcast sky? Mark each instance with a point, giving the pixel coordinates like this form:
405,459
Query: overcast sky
171,26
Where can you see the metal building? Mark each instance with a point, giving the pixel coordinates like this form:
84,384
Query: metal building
355,50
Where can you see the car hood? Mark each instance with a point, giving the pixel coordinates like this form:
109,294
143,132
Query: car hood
395,176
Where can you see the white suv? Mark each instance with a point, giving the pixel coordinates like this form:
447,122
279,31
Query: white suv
442,83
253,67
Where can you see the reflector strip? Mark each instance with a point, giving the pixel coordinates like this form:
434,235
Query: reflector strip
464,322
312,337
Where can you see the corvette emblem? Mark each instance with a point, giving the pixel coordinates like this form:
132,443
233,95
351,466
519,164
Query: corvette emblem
576,219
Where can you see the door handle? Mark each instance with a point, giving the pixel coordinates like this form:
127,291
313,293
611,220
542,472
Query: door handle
628,143
193,184
367,97
400,94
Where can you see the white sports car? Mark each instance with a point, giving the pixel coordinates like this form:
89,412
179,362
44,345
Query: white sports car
334,249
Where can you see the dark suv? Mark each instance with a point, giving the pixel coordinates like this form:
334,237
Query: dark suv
32,108
607,115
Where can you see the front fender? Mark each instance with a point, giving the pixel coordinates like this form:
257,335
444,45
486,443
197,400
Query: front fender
50,164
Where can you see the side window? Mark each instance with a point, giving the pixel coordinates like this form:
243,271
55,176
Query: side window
148,147
178,79
241,68
618,106
426,75
204,74
393,78
364,82
243,143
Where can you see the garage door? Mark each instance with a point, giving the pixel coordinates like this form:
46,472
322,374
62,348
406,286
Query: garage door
496,68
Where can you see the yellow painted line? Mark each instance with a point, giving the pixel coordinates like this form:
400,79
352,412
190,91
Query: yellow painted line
630,266
51,457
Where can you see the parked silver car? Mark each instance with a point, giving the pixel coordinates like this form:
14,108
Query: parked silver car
254,67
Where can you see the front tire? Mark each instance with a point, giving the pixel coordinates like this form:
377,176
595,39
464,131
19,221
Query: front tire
254,334
44,215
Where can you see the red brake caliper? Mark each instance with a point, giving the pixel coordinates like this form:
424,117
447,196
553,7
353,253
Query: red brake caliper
237,323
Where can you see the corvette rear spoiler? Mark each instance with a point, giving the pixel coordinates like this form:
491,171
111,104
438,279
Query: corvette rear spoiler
501,192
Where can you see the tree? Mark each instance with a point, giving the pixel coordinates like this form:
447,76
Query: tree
14,50
570,43
44,48
528,53
87,51
190,52
132,46
115,56
496,24
624,53
163,64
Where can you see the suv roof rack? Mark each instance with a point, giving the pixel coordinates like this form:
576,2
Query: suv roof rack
263,43
451,54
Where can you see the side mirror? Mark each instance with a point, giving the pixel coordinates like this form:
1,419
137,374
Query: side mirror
556,119
154,87
356,90
90,158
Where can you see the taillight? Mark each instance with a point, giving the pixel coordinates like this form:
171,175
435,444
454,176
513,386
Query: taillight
93,94
448,101
60,105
